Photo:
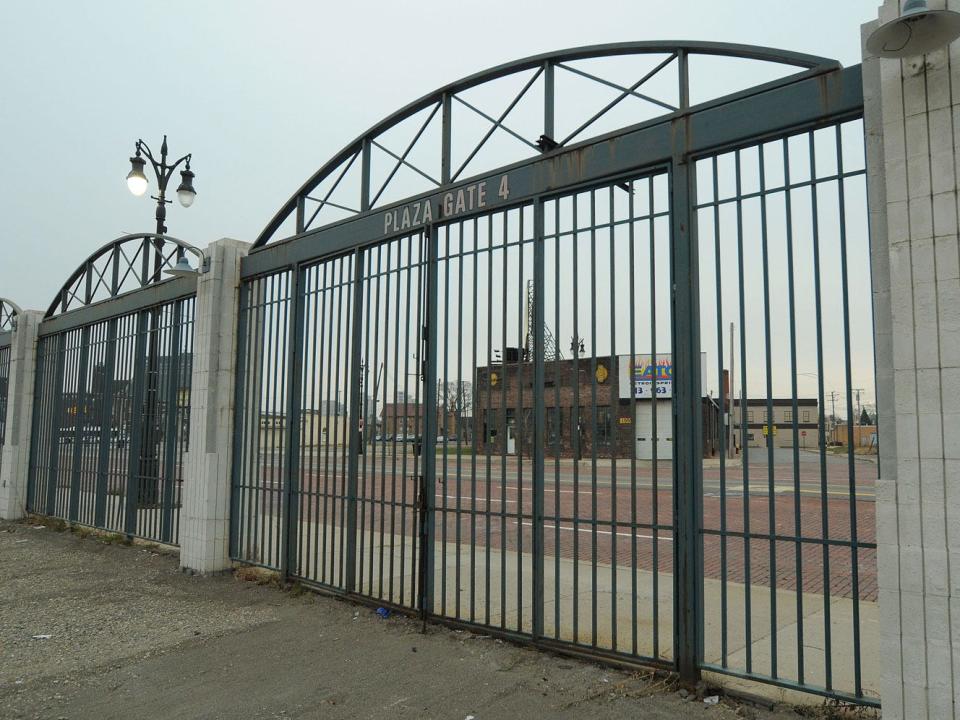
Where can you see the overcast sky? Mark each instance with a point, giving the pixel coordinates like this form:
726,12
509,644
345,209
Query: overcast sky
262,93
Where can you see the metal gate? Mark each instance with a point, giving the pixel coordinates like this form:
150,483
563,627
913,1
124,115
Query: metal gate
438,389
112,413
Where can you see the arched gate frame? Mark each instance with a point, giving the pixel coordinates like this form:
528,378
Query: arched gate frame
112,391
454,496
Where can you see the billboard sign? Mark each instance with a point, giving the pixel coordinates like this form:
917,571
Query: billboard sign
641,377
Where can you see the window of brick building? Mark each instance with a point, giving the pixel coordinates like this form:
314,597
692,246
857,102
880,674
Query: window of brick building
604,425
554,421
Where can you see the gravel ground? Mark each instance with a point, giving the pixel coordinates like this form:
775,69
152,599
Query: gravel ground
132,637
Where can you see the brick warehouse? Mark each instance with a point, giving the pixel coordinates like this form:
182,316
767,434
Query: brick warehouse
607,422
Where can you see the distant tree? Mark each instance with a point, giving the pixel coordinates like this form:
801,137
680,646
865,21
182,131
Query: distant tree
456,398
865,418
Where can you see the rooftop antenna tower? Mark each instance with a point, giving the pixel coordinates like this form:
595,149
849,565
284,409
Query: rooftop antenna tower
550,349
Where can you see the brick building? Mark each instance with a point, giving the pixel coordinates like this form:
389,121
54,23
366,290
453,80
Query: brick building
780,426
407,419
590,405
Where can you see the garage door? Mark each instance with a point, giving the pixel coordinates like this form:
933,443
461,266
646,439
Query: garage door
644,427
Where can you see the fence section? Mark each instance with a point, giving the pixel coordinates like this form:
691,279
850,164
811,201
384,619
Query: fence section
111,422
788,528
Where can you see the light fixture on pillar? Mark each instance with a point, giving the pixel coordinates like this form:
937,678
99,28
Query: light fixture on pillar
136,180
917,31
186,193
183,268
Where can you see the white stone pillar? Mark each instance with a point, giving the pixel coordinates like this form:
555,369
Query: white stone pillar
15,464
205,514
912,120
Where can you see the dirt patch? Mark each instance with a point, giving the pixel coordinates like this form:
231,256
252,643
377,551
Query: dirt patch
93,629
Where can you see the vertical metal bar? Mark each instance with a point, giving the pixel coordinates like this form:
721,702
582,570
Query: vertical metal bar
519,416
459,400
396,381
293,386
107,424
353,419
300,227
575,422
428,478
79,423
446,134
258,355
688,468
365,175
549,103
683,74
115,274
744,420
726,406
174,379
791,297
824,509
340,469
309,435
506,425
631,233
767,342
408,272
477,423
488,423
373,499
558,434
273,347
419,423
446,385
326,342
88,289
611,430
594,600
282,378
240,419
654,420
851,463
539,290
139,362
365,366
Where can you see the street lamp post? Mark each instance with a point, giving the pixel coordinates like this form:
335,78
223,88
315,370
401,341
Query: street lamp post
137,182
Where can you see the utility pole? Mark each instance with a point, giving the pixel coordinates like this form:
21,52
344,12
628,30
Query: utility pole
730,397
833,415
858,391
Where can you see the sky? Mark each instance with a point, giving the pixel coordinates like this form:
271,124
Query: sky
263,93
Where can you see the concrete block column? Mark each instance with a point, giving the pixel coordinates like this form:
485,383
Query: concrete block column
912,121
15,463
205,514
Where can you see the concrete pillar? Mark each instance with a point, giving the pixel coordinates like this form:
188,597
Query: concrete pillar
912,121
15,464
205,514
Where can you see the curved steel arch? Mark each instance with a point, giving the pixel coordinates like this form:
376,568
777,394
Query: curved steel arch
121,266
440,99
8,314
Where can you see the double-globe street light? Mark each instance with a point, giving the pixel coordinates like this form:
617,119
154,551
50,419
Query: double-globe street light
137,182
